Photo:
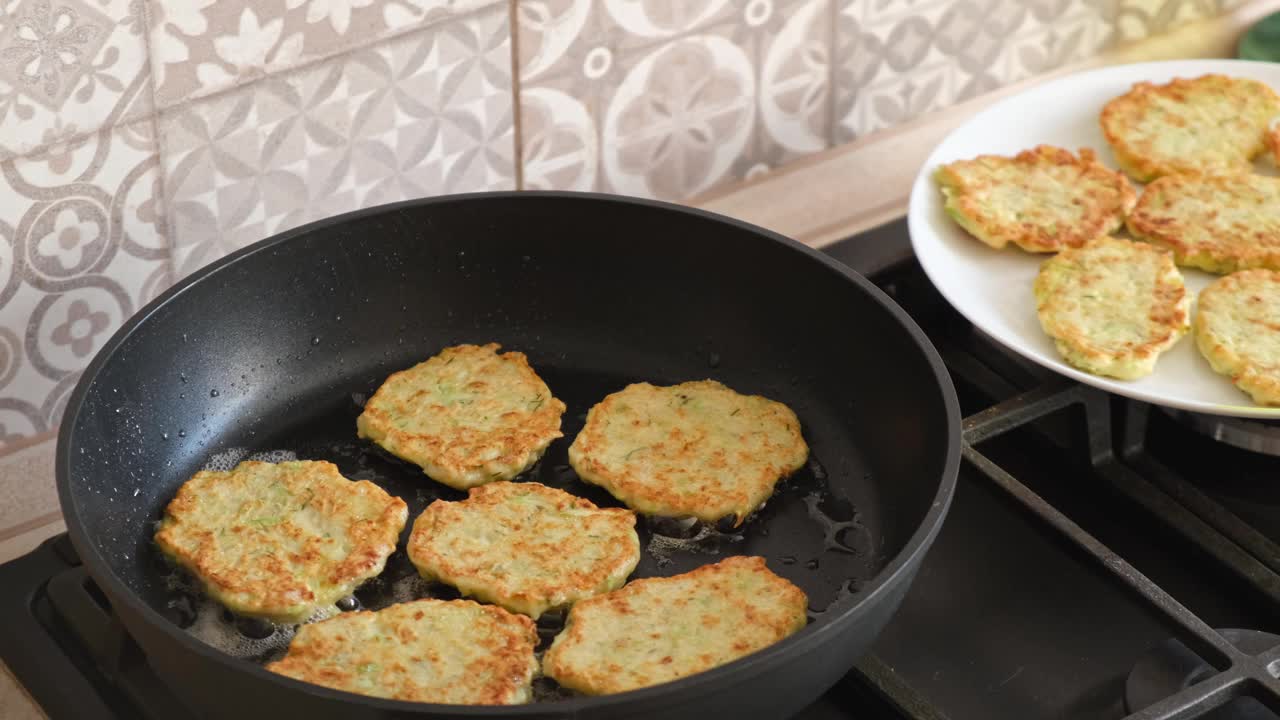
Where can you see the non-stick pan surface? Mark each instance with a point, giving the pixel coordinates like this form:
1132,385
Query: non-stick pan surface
275,348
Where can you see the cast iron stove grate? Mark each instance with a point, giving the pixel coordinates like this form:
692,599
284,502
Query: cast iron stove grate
1229,674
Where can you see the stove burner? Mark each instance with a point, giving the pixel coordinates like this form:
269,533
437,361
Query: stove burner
1171,667
1260,436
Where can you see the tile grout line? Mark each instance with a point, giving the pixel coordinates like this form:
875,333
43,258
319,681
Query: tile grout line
517,114
168,219
192,99
111,122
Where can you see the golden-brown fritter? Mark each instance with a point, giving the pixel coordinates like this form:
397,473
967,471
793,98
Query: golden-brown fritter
1112,306
1238,331
657,630
697,449
525,546
280,540
1042,200
456,652
1211,123
466,416
1221,223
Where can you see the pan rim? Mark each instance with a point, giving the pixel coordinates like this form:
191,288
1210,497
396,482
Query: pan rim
778,654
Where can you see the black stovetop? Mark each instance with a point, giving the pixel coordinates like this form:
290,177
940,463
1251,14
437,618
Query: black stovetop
1087,533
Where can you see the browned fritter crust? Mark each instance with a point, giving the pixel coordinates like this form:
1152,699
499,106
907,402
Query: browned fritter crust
1237,329
1112,306
657,630
1273,143
1216,222
467,416
1209,123
279,540
696,449
1041,200
525,546
437,651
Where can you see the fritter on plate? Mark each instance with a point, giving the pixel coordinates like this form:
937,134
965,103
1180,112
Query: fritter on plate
1112,306
1211,123
1238,331
1042,200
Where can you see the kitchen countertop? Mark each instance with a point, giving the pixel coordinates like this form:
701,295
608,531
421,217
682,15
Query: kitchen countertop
817,200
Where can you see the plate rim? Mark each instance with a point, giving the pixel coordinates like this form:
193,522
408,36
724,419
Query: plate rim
916,228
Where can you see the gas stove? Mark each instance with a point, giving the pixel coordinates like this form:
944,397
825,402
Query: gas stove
1102,559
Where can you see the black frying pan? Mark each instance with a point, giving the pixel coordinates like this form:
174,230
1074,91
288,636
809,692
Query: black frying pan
274,347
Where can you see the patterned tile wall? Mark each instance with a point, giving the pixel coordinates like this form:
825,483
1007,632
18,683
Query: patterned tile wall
140,139
899,59
202,46
82,250
427,113
119,176
669,98
68,67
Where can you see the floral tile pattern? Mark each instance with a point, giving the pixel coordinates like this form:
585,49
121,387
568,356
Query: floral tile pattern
67,68
898,59
201,46
82,251
668,99
424,114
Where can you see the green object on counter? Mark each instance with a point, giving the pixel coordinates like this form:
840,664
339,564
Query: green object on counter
1262,41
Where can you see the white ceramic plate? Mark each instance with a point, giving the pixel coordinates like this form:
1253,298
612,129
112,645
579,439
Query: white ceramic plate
992,288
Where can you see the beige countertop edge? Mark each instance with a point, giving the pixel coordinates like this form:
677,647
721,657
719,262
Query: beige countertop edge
818,201
848,189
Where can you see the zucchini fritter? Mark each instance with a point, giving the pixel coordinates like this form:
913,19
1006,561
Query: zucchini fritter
1220,223
1238,331
280,540
697,449
1210,123
525,546
1112,306
657,630
456,652
1042,200
466,416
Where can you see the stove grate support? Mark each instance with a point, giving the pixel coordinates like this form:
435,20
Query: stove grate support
1136,475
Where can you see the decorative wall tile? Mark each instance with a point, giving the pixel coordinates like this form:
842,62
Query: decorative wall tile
201,46
67,68
82,250
424,114
1137,19
898,59
668,99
